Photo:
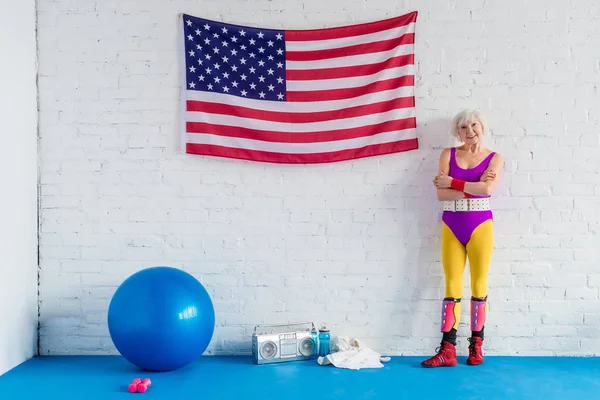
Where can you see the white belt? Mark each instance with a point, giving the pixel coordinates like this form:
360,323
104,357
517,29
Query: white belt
482,204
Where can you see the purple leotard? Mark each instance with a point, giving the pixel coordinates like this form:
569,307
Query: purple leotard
463,223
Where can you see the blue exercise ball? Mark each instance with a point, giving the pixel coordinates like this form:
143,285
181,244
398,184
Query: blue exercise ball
161,319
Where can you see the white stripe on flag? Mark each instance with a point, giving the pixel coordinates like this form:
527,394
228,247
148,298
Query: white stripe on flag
328,44
357,81
349,61
336,124
310,107
299,148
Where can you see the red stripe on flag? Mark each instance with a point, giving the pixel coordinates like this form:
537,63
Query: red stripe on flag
300,117
358,49
300,137
339,94
350,30
311,158
347,72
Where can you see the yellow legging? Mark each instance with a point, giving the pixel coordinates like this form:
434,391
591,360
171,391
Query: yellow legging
454,255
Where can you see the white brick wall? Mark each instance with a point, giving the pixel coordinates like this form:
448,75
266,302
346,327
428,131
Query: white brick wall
353,244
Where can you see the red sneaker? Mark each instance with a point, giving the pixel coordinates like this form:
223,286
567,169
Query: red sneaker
445,357
475,351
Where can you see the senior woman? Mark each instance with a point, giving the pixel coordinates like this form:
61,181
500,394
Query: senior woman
468,174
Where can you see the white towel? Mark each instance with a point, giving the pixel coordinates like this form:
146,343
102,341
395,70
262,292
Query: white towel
352,354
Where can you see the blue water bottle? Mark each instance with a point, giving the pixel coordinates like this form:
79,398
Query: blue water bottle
323,341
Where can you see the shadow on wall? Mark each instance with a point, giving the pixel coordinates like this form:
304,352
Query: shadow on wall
418,293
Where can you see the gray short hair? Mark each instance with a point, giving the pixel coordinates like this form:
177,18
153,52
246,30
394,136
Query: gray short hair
467,115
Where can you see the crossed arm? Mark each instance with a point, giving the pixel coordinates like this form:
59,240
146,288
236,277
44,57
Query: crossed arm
484,187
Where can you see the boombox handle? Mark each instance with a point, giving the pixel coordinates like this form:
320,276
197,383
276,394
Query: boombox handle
290,324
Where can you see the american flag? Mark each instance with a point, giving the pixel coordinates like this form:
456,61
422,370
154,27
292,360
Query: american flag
299,96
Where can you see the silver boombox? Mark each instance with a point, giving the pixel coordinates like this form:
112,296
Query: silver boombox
284,342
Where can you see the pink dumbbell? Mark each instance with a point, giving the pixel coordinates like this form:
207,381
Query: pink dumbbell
144,385
133,385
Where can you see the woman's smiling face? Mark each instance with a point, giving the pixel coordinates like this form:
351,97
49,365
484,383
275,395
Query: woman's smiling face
470,131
